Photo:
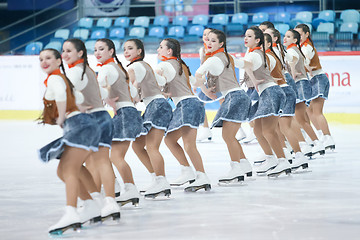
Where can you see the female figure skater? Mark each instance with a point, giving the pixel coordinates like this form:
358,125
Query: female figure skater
296,60
267,110
319,87
127,120
156,118
204,131
288,111
187,116
280,52
235,109
84,80
81,136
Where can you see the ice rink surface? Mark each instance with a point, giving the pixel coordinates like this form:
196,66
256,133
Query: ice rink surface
322,203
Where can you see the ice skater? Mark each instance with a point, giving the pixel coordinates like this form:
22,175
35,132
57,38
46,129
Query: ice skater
220,68
84,80
127,120
319,87
296,60
80,138
267,110
187,116
288,110
156,118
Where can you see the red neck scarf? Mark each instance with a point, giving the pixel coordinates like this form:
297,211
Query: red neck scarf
75,63
106,62
291,45
137,58
274,45
268,50
253,49
55,72
306,42
210,54
163,58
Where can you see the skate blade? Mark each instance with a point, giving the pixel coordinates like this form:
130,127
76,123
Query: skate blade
60,231
206,187
232,183
322,152
115,217
263,173
331,147
258,162
180,184
275,175
163,195
238,179
134,201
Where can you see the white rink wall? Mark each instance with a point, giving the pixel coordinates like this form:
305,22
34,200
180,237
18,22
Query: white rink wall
21,81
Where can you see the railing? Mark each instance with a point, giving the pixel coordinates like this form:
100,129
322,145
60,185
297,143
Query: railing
32,16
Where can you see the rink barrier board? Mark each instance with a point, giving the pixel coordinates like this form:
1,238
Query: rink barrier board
24,71
344,118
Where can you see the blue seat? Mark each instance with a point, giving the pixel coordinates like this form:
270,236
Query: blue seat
349,27
282,27
191,38
81,33
98,33
104,22
294,22
117,32
196,30
90,45
62,33
161,20
317,21
55,45
180,20
260,17
344,40
221,19
176,31
142,21
327,15
33,48
200,20
85,22
157,31
304,16
240,18
321,40
122,22
282,17
137,32
326,27
117,43
350,15
235,29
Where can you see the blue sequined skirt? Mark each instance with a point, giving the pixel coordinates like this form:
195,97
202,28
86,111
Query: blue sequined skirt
320,86
158,114
290,102
188,112
303,88
271,103
235,108
105,123
80,131
127,124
